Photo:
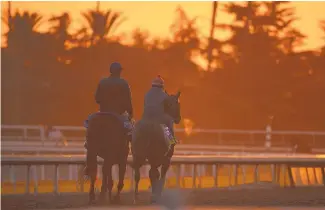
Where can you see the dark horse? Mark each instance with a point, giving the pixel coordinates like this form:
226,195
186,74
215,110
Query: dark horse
149,143
106,138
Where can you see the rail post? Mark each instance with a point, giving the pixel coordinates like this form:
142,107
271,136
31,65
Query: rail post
28,179
55,180
323,175
25,133
243,167
35,177
178,175
256,174
273,173
235,171
194,176
215,174
292,182
13,177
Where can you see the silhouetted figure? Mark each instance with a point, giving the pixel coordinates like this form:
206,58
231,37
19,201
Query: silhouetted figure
152,140
108,131
113,93
154,107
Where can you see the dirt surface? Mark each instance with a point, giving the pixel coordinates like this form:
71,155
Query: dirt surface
307,196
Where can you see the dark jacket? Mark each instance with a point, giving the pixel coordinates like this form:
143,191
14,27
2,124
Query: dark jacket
113,94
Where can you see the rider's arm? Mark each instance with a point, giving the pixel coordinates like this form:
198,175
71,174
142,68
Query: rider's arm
98,93
128,100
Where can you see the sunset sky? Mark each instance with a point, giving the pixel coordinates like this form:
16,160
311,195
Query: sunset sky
156,17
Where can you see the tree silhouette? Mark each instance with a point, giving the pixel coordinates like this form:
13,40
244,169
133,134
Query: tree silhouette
22,30
101,24
140,38
185,31
60,27
211,38
322,26
259,71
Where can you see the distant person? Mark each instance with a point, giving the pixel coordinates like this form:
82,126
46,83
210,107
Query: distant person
56,135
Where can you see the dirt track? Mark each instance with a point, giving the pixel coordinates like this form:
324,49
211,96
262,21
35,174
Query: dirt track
308,196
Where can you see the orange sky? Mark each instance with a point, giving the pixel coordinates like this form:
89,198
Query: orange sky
156,17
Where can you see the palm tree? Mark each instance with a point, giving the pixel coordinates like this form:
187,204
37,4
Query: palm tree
184,28
60,28
22,28
20,41
140,38
213,19
101,23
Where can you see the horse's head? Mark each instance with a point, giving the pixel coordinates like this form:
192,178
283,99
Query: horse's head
172,106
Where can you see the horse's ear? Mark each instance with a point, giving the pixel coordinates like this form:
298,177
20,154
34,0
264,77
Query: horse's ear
178,94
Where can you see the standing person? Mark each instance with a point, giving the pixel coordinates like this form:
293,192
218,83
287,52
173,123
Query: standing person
56,135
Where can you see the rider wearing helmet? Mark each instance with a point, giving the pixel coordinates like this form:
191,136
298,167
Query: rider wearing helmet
114,97
113,93
154,104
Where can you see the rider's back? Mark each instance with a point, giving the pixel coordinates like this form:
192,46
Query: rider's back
113,95
154,104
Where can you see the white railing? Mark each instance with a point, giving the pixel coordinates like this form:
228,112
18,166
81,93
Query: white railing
180,149
283,163
80,151
24,135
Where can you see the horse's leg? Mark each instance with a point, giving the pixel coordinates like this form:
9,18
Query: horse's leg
162,180
103,190
120,185
109,181
92,196
136,168
154,178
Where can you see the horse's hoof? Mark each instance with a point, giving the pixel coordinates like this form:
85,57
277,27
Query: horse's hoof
92,198
153,200
135,200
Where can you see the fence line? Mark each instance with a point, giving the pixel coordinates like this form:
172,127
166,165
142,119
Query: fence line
277,162
25,128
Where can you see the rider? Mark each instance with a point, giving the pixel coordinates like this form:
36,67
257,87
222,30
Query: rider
154,104
113,95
